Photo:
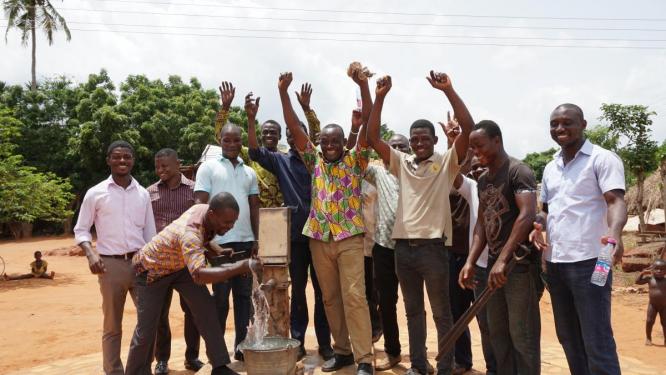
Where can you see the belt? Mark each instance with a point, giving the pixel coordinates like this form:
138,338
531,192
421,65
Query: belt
414,242
126,256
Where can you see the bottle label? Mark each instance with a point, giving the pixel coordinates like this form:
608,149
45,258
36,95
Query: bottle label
602,267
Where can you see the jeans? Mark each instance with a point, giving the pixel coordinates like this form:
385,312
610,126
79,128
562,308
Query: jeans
163,339
242,294
301,263
383,260
417,265
515,322
371,296
481,280
150,301
461,299
582,313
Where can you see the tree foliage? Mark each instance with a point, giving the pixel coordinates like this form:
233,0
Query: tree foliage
602,136
537,161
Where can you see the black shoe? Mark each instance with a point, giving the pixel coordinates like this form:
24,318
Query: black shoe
326,352
162,368
301,353
364,369
239,356
194,365
223,370
337,362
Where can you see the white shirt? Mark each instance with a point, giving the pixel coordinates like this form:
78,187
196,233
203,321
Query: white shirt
218,175
469,190
123,218
576,206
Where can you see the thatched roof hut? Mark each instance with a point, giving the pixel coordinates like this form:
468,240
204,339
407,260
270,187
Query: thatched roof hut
651,195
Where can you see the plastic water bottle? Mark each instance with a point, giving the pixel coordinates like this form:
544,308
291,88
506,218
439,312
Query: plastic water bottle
604,262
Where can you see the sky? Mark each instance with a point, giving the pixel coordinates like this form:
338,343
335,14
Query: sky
509,76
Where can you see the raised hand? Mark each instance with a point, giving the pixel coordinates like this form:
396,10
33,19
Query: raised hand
227,93
451,127
383,86
285,81
357,119
251,105
440,81
304,96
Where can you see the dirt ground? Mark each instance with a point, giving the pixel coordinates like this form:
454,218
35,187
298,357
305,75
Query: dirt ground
43,320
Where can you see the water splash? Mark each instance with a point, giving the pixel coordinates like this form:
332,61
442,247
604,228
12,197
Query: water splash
258,328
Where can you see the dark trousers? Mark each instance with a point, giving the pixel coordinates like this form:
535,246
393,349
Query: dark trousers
515,322
150,302
371,296
461,299
582,313
242,294
163,339
415,266
301,263
481,280
383,260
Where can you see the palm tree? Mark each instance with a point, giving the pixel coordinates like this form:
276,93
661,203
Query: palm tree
27,15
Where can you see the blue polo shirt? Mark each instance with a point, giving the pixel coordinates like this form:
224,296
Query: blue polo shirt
295,183
215,176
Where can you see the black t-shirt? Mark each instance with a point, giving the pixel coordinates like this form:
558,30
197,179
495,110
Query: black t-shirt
460,222
498,203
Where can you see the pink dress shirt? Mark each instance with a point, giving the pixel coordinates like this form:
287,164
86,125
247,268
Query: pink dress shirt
123,218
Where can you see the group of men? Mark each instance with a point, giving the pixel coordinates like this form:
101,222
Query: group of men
451,221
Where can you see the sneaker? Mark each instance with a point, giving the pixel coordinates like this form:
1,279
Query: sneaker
337,362
194,365
364,369
239,356
388,362
161,368
326,352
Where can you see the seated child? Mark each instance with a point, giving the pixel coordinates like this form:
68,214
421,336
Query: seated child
37,270
654,277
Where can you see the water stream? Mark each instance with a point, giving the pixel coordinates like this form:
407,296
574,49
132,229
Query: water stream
258,328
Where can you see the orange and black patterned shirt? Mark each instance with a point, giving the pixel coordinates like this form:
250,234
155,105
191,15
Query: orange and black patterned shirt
181,244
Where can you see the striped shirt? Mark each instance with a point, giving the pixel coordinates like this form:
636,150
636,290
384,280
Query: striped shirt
169,204
181,244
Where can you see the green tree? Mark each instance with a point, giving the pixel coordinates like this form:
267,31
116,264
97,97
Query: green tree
27,195
661,158
632,122
538,160
602,136
26,16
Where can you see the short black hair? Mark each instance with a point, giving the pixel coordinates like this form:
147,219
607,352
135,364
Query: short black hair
572,106
119,144
334,126
273,122
489,127
223,200
229,126
422,123
37,252
166,153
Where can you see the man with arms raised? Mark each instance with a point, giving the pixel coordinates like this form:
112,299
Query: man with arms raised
423,226
582,193
335,227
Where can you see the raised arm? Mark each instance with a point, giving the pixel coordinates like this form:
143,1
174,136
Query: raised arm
251,109
314,126
617,219
366,98
374,139
442,82
356,122
227,93
526,202
300,138
644,276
